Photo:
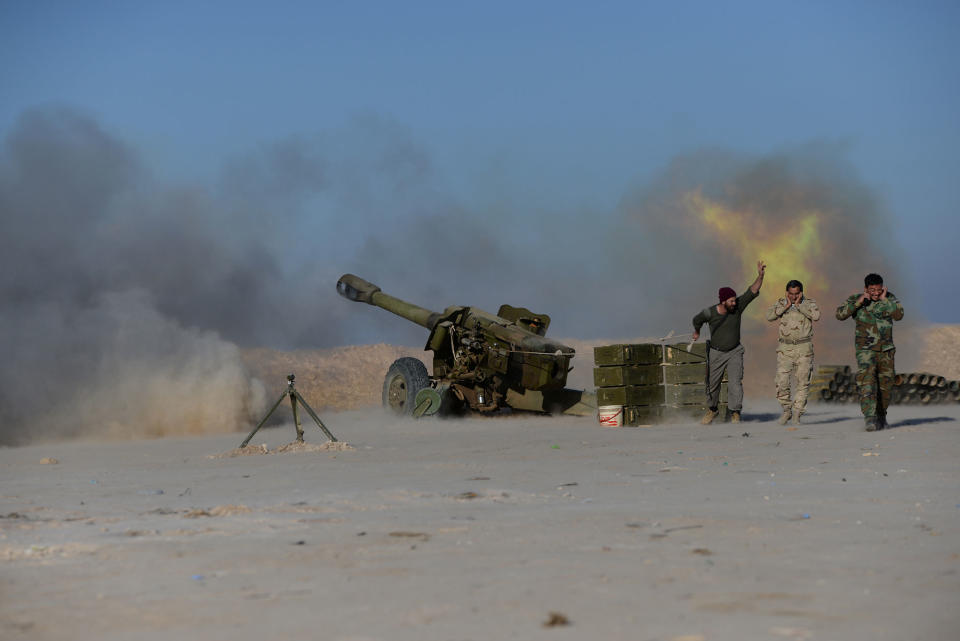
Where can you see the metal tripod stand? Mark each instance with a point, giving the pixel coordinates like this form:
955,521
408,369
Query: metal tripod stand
294,396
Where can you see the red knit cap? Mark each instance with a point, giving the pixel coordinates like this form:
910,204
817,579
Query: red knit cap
727,292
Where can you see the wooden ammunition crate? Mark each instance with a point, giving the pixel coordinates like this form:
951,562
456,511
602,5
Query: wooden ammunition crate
647,415
666,374
656,395
614,375
627,354
679,354
649,354
654,383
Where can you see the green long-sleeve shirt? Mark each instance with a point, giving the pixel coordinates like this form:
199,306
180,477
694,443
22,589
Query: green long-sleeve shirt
724,328
874,321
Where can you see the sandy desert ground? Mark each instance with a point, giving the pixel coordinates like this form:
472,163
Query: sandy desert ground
510,527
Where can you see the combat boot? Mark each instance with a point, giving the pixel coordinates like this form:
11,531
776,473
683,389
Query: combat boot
871,423
881,422
784,417
734,417
709,416
796,417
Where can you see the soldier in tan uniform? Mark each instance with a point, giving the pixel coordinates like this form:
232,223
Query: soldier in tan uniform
796,315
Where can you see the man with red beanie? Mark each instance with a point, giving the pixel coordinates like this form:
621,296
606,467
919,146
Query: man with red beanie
724,351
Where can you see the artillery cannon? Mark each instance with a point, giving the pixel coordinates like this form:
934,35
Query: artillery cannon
480,361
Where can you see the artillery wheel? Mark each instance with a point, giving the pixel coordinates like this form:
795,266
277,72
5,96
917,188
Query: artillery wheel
404,379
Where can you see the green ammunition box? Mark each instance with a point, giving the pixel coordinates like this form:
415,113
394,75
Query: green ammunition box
655,383
637,415
625,354
679,354
613,375
649,354
646,415
630,395
681,374
690,394
656,395
684,394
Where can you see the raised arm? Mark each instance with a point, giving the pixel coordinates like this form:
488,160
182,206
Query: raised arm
761,268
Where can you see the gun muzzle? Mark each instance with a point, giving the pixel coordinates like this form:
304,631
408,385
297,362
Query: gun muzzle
356,289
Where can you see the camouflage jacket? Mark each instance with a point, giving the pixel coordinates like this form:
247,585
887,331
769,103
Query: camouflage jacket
796,321
874,321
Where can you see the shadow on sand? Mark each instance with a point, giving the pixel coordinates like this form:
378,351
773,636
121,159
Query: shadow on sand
920,421
808,419
753,418
827,421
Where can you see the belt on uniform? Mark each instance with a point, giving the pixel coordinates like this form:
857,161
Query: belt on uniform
725,351
799,341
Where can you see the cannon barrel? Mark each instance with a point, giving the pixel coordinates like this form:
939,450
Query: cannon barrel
356,289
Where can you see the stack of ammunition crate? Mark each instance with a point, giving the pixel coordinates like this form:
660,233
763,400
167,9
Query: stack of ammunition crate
837,384
654,383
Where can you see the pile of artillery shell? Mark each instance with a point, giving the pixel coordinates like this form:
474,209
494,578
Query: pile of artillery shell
654,383
838,384
920,388
834,384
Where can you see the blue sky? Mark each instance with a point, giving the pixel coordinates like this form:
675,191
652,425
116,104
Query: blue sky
556,107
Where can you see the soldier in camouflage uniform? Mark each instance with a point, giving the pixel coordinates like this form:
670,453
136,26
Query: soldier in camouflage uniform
874,312
796,315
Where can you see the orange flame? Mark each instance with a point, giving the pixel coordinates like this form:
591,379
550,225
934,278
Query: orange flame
792,250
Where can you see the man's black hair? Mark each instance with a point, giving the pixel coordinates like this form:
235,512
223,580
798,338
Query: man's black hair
795,283
873,279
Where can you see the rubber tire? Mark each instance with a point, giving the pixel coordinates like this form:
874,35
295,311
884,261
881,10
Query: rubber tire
407,376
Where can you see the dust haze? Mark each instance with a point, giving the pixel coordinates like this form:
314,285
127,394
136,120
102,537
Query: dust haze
126,299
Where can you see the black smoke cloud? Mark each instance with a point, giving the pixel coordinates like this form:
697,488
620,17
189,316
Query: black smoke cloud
122,297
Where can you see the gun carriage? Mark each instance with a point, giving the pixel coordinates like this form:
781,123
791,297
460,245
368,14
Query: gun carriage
481,362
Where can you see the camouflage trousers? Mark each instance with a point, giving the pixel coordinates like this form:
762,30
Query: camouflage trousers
794,360
875,381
